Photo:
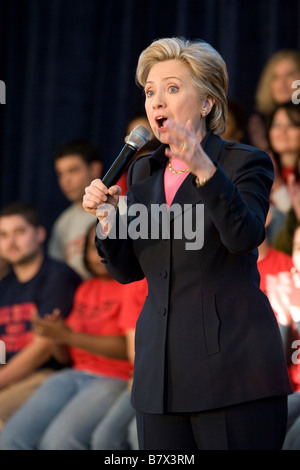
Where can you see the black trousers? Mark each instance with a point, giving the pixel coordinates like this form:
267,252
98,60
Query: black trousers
257,425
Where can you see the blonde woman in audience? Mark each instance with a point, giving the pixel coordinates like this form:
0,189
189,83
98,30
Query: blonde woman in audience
274,88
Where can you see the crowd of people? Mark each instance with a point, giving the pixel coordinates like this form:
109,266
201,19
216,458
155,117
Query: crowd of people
68,312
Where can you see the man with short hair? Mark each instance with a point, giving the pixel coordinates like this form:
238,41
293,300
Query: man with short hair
76,164
36,285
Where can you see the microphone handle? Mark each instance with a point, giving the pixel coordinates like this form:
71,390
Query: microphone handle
114,173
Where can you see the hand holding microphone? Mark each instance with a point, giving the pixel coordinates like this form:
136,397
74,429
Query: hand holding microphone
104,191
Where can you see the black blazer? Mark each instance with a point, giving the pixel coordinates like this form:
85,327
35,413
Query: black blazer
207,336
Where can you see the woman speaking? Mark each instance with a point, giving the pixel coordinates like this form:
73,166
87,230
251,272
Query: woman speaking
209,370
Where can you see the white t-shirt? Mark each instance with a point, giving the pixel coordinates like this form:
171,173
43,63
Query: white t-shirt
68,236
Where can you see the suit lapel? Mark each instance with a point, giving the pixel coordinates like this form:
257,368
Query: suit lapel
188,192
150,189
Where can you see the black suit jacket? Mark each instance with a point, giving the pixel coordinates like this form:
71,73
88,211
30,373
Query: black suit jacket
207,336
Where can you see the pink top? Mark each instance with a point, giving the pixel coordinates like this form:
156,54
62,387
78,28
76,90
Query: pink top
173,181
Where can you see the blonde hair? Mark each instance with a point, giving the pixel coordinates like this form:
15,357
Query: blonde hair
263,97
208,72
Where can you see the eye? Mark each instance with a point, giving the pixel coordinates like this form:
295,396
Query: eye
149,93
173,89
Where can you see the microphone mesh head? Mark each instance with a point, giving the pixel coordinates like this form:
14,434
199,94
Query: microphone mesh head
138,137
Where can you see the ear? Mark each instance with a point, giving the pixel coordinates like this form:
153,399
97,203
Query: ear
96,169
208,104
41,232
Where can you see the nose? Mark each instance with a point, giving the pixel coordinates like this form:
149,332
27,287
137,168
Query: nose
64,179
10,240
158,100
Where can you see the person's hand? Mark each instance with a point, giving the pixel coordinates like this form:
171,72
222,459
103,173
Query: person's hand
184,144
52,326
97,194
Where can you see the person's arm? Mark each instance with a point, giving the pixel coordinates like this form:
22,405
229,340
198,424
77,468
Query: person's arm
111,346
26,361
61,353
279,288
130,334
237,199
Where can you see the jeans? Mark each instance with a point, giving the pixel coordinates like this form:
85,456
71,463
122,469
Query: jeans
117,430
63,413
16,394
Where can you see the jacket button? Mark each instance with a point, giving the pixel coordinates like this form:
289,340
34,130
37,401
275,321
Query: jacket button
163,311
163,274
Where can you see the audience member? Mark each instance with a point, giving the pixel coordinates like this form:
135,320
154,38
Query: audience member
4,267
141,120
76,163
285,294
65,410
284,238
276,80
274,88
34,284
236,123
284,137
284,142
117,430
271,265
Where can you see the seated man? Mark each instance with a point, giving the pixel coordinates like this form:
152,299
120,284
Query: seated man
35,285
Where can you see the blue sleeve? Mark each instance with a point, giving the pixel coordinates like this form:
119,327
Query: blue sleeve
57,289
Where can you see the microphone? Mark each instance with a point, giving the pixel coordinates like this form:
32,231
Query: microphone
138,137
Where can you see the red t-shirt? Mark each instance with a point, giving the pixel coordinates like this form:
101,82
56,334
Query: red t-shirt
287,171
273,263
123,183
135,296
100,308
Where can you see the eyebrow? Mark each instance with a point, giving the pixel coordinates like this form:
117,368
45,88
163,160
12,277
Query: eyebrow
164,79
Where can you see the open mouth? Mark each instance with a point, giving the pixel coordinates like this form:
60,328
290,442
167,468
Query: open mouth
161,120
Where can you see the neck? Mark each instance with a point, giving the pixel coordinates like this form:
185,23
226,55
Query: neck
26,270
79,203
288,159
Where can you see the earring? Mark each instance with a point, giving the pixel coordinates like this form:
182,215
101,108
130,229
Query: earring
204,112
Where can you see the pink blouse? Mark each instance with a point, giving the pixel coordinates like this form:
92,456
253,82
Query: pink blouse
173,181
